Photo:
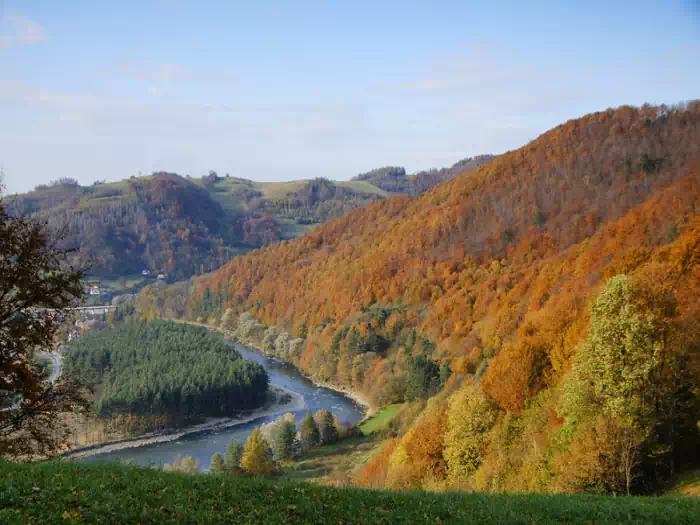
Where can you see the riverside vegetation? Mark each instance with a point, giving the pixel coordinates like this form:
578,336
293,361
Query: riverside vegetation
538,317
271,445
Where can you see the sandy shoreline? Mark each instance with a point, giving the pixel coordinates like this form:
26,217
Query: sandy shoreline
355,396
297,403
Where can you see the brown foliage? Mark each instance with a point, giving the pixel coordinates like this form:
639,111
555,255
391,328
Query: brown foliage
603,457
498,268
444,251
418,458
373,474
36,287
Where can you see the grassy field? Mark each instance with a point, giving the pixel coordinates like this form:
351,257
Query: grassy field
279,190
362,186
332,464
290,229
67,493
381,420
126,283
686,484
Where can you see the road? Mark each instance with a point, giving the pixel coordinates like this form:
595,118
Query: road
57,361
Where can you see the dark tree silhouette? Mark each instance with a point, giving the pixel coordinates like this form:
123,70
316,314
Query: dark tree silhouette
36,286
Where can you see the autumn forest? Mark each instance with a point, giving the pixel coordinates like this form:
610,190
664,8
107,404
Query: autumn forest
538,317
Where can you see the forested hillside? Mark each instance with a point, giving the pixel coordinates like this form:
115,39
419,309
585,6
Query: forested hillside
182,226
394,179
163,223
563,377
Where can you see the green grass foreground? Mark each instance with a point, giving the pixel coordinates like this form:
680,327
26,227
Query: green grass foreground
52,492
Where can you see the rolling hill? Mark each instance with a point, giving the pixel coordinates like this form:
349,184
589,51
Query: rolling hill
183,226
499,277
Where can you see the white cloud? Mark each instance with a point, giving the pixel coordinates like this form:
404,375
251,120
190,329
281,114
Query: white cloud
17,30
163,72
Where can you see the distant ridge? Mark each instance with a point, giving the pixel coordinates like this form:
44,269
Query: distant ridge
182,226
394,179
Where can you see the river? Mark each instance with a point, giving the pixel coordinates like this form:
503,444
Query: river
203,445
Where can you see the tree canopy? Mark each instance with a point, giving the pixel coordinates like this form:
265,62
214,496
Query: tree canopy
257,457
179,226
36,286
168,368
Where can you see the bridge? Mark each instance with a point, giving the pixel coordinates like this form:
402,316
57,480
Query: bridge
82,311
92,310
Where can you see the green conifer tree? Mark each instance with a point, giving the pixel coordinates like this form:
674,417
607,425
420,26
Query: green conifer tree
310,436
328,432
284,440
234,453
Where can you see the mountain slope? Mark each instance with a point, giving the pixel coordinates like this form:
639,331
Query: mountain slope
525,206
183,226
493,274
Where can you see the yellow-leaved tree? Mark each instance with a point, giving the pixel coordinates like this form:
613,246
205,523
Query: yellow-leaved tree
623,398
257,458
470,417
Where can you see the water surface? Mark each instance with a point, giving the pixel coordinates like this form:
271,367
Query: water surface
203,445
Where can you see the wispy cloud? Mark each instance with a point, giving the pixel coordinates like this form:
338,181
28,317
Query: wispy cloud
17,29
160,72
491,81
477,66
177,134
311,125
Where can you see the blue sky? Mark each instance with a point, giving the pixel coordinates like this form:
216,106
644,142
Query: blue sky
300,89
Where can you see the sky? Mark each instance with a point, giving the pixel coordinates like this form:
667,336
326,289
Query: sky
276,91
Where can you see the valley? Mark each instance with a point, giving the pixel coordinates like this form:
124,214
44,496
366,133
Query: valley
349,263
513,329
476,305
203,444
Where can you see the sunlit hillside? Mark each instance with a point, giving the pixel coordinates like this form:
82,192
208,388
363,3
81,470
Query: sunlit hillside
179,226
494,275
